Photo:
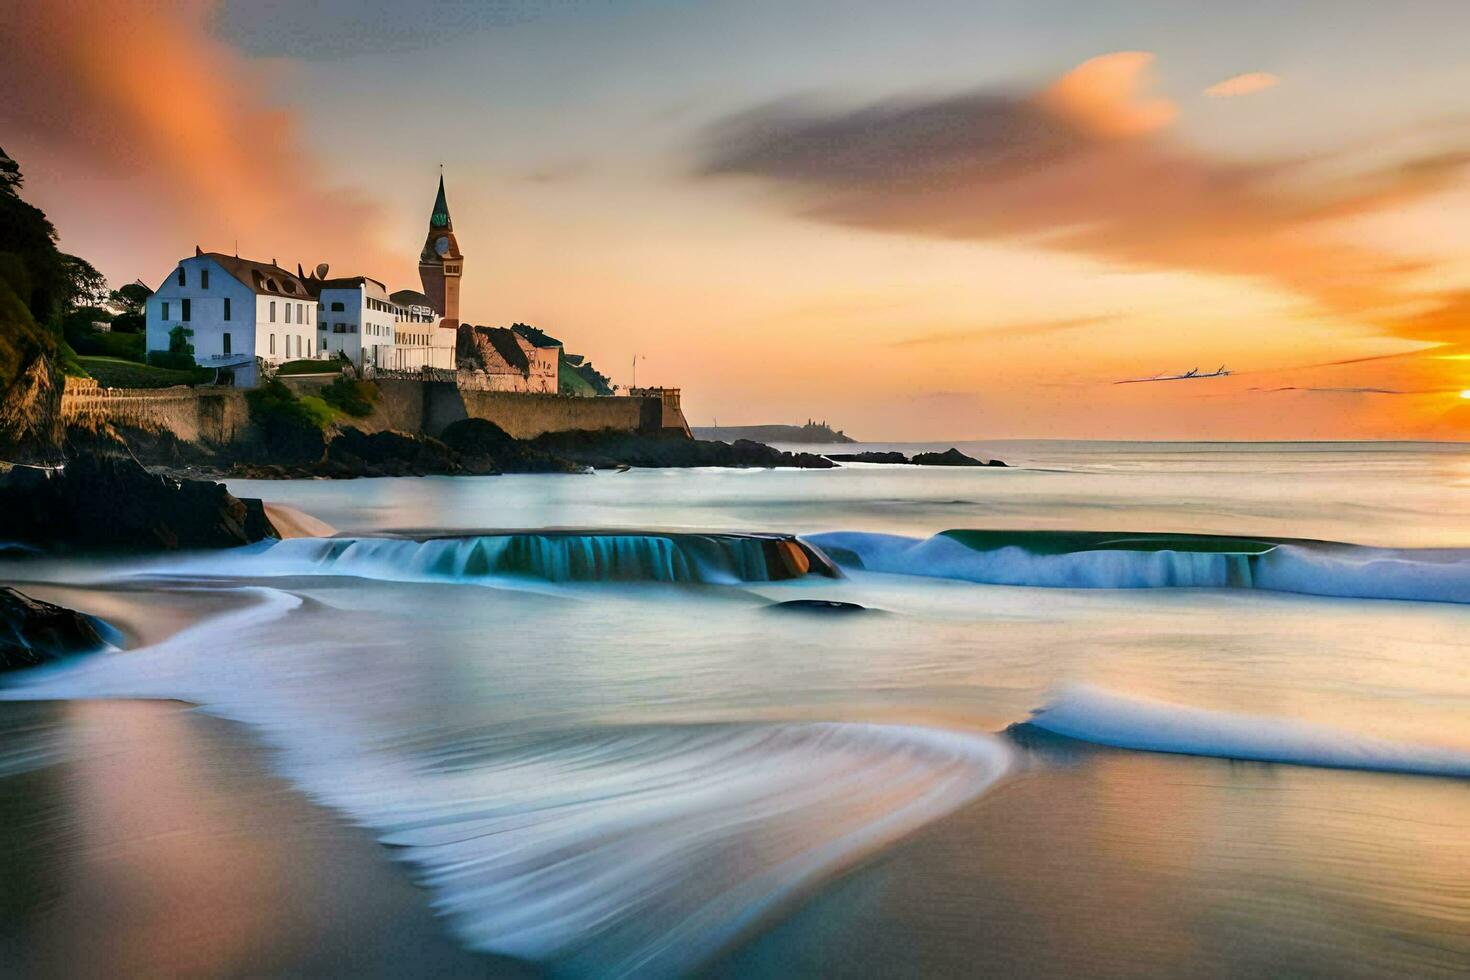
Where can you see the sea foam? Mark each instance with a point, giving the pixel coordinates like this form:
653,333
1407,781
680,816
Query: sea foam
1176,561
1090,714
606,850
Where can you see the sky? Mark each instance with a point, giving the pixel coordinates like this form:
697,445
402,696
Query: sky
941,219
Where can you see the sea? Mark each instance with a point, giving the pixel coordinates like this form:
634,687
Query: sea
1114,709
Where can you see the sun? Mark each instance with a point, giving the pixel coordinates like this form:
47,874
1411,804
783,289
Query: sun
1465,393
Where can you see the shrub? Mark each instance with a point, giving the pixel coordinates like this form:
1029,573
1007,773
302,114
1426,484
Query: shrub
127,346
309,366
171,360
356,398
293,428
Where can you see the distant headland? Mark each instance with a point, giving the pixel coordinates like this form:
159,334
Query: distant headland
814,432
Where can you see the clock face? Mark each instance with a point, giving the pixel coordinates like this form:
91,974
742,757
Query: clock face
441,245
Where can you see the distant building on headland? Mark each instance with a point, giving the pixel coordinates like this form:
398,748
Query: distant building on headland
245,316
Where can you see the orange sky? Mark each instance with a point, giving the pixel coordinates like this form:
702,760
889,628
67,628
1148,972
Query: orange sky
893,233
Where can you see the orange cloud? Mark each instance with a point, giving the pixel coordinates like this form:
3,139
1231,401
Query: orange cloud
140,99
1247,84
1107,95
1087,165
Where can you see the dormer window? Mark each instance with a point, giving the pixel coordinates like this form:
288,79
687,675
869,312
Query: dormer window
270,284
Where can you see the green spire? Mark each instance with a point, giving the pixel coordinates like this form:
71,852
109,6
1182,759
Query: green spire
440,217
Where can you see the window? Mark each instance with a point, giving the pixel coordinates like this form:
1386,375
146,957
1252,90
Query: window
338,308
300,313
273,311
185,301
227,307
273,341
165,310
308,349
203,278
227,343
181,277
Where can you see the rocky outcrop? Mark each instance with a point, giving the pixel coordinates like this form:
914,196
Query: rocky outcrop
353,452
952,457
611,449
33,632
868,457
101,503
30,413
483,443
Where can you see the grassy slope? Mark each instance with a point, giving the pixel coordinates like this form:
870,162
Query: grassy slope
113,372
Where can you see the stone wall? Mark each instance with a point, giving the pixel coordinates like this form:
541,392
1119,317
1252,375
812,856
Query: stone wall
526,416
210,415
220,415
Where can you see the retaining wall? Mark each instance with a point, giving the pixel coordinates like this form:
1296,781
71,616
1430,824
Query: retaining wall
221,415
211,415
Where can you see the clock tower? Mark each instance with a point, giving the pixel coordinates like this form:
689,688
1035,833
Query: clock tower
441,263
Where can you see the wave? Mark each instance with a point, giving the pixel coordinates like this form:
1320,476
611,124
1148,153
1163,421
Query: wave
609,851
1101,560
1092,715
552,556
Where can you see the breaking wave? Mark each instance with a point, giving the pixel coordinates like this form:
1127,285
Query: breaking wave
553,556
599,850
1092,715
1099,560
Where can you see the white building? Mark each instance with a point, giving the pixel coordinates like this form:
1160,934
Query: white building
420,341
355,319
238,311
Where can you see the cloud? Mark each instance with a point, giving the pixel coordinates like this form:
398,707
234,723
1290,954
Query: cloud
132,99
1086,165
1247,84
1024,329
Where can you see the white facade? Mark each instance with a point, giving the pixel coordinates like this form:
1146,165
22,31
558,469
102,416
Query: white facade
238,311
355,318
420,341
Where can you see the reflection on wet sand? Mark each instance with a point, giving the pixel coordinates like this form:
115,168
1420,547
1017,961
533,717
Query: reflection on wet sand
1172,866
159,847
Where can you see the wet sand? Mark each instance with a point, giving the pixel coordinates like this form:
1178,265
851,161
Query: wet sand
156,843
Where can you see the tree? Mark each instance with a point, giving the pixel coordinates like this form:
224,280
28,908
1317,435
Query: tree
29,259
131,297
85,285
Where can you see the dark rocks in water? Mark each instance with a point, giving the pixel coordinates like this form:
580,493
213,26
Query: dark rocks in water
111,503
610,448
481,442
869,457
353,452
824,606
952,457
33,632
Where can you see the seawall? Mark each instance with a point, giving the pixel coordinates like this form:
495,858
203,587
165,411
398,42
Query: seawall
220,416
216,416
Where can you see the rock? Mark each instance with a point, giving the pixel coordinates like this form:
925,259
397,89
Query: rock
30,412
103,503
868,457
353,452
817,606
482,443
33,632
609,448
951,457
